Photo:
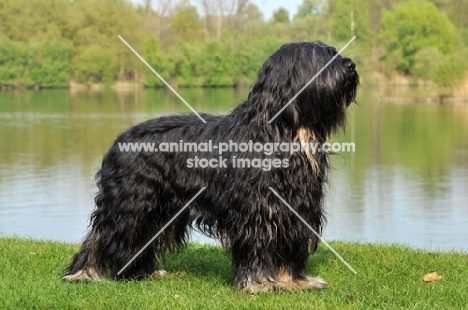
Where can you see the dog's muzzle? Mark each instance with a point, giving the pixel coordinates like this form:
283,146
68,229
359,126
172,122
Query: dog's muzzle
349,64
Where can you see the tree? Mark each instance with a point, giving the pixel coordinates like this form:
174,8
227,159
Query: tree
157,20
310,7
281,16
186,24
456,11
15,19
214,11
49,63
13,62
426,62
451,71
95,64
350,18
412,26
157,60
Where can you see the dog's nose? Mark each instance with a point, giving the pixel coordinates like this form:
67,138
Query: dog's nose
350,65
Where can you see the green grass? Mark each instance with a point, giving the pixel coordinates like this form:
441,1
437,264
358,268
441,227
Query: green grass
389,277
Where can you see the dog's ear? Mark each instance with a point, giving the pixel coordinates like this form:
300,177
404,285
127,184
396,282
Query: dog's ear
278,82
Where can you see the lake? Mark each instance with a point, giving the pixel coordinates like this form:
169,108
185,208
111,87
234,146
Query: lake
407,181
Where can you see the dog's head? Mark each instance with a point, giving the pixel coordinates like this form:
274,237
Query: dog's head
321,104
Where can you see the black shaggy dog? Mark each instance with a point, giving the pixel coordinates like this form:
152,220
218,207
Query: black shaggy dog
140,192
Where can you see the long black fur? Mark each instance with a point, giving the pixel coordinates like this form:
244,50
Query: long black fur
139,192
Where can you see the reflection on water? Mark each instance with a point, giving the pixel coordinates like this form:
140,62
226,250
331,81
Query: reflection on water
407,182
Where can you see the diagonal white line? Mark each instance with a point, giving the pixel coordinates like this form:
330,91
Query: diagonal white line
163,80
312,79
162,229
310,227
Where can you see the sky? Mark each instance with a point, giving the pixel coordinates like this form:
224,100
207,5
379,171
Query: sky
268,6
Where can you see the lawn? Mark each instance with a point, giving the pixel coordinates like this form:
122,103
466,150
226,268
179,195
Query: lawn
200,277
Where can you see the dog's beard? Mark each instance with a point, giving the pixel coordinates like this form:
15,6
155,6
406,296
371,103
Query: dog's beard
351,86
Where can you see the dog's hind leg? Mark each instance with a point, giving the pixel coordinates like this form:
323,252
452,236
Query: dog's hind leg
172,239
130,212
83,266
109,246
114,240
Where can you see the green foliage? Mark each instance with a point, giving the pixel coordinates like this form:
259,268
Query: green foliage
98,25
49,63
445,70
15,19
426,62
46,64
309,7
186,25
452,70
215,63
50,20
219,64
350,18
455,10
184,68
464,36
281,16
211,63
95,64
49,42
13,62
411,27
157,60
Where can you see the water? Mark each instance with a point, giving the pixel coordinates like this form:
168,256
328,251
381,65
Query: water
407,182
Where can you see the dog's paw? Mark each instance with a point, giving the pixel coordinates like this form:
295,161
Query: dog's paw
85,275
160,273
267,286
310,283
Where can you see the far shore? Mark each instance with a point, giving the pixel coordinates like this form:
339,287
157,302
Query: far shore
423,100
425,92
